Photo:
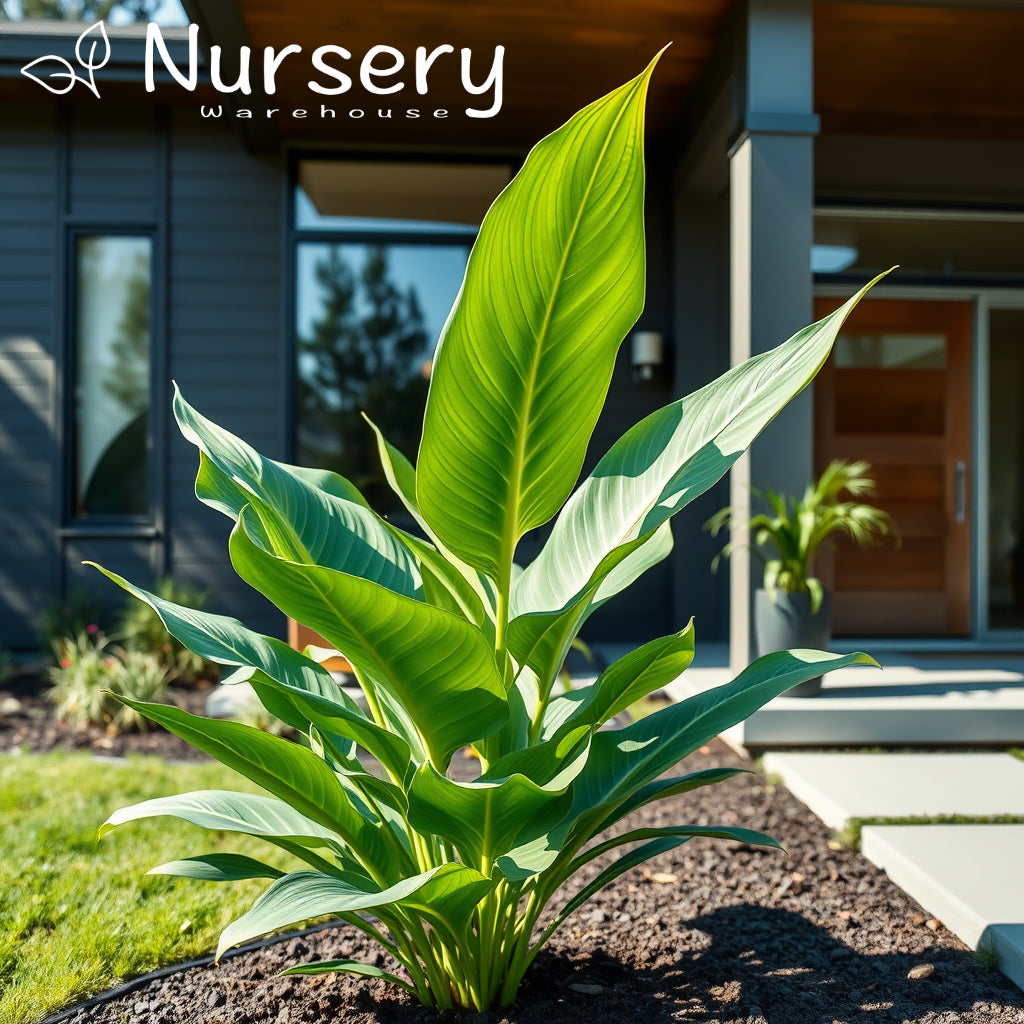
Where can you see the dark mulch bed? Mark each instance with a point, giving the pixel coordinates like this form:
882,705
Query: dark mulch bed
36,727
740,936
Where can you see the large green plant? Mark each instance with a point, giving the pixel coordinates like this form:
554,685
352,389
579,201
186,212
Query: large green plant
451,643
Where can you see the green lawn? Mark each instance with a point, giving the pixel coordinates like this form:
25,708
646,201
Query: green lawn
77,916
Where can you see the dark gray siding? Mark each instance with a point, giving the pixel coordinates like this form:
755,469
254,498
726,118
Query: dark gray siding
216,214
226,338
28,340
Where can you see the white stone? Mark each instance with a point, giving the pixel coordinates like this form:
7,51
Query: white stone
838,787
230,700
968,876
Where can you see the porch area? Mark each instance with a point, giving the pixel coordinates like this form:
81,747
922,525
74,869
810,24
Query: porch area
919,698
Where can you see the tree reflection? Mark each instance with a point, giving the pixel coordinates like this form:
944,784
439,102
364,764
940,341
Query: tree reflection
365,353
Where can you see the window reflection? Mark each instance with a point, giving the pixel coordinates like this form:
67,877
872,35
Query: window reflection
369,316
112,374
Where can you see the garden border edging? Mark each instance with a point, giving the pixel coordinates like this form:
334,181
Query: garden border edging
163,972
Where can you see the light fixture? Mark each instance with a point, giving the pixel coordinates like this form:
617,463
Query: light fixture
647,350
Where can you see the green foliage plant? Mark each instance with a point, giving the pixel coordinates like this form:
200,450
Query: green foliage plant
788,537
80,679
88,667
452,645
139,629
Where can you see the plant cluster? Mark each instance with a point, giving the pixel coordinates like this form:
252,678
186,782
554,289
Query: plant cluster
451,643
788,537
88,667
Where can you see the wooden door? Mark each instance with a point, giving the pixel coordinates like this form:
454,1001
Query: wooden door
897,392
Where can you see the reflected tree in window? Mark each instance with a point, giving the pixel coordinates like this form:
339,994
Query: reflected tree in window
112,375
79,10
367,352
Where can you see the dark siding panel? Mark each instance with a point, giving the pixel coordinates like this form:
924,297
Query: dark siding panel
28,230
227,346
114,167
131,559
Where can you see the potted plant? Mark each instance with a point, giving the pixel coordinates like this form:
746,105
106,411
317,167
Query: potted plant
793,609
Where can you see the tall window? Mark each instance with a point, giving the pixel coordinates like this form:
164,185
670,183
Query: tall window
111,391
381,250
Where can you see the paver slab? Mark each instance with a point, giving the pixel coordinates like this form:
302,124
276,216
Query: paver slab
968,876
838,787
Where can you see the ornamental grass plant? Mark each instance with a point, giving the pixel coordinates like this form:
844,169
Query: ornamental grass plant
452,644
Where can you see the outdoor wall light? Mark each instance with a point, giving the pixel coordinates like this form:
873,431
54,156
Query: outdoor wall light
647,349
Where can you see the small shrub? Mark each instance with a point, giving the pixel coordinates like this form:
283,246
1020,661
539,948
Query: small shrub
140,676
88,667
139,628
80,678
451,644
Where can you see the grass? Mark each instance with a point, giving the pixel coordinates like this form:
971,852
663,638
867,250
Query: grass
77,916
1017,753
850,835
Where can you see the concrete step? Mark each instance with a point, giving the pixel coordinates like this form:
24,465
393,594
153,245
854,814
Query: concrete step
840,787
968,876
929,701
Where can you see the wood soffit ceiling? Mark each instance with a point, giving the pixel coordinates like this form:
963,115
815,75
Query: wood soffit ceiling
558,57
940,72
880,69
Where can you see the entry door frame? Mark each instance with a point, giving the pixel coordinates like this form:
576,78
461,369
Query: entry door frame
984,300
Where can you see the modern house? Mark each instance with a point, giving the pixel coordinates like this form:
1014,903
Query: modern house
288,254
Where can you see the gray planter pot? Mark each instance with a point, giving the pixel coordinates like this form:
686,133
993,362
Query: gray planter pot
787,623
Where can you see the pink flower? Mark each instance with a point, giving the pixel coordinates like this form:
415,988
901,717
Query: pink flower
92,628
65,663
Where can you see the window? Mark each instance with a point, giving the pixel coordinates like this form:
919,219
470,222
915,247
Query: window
112,312
934,244
381,250
114,12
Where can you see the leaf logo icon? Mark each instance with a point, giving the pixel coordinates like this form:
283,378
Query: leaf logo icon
92,51
62,69
94,36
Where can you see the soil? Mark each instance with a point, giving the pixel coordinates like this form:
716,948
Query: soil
35,725
712,932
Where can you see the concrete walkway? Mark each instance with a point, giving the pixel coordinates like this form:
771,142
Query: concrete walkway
967,875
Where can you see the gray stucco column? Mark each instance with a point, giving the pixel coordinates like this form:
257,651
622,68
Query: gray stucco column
771,174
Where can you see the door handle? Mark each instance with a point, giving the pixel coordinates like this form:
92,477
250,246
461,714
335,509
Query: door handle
960,491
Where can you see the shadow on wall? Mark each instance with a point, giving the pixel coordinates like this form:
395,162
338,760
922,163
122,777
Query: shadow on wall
28,450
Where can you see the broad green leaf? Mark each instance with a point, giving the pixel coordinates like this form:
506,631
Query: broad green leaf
302,895
662,788
447,899
226,641
262,661
471,590
288,771
347,967
487,817
217,867
542,639
647,669
553,284
624,760
740,835
224,811
333,718
669,458
329,529
437,665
